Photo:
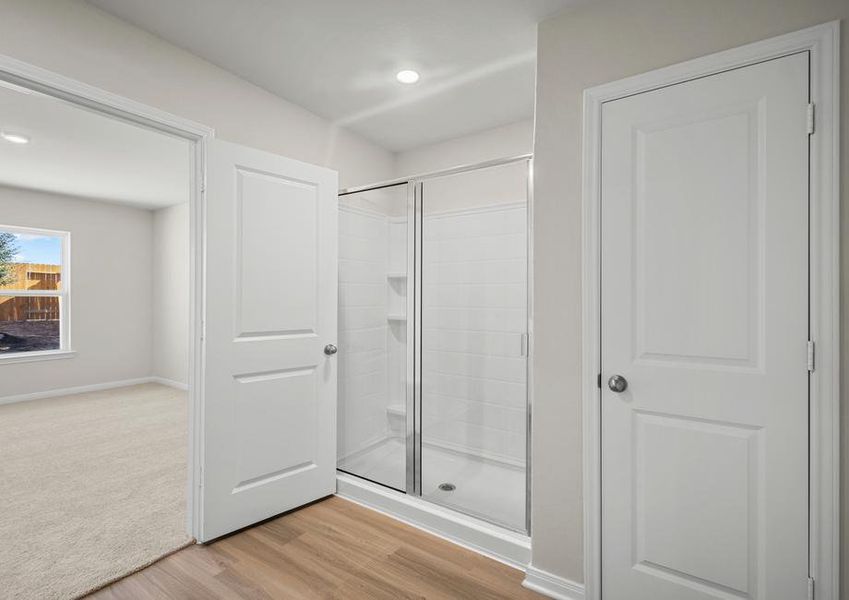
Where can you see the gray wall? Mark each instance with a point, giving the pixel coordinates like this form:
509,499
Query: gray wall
171,290
110,290
498,142
594,43
79,41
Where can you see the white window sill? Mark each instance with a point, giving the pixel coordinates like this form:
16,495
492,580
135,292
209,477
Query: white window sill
24,357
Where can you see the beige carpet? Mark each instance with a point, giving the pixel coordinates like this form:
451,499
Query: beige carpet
92,487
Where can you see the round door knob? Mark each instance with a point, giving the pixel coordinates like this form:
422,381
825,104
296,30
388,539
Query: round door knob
617,383
330,349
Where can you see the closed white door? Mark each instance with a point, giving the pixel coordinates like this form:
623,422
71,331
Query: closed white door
269,414
704,313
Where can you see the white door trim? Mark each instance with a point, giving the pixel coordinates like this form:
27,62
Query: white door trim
823,43
53,84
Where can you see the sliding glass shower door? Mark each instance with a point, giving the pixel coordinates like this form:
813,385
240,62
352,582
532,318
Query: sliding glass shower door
433,340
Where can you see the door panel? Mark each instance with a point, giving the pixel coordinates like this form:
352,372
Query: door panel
276,216
704,312
700,303
269,419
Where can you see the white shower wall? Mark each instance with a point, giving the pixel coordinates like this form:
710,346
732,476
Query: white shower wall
363,375
372,327
474,320
396,338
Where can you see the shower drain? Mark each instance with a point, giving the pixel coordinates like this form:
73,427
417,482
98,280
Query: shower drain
447,487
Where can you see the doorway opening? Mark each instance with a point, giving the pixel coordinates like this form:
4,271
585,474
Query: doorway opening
96,335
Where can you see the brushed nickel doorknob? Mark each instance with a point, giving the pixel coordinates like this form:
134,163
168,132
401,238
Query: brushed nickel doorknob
617,383
330,349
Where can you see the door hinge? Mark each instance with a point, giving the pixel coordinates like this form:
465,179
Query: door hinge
598,381
523,345
811,118
811,356
810,588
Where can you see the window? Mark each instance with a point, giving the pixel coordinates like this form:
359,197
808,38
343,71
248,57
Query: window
34,293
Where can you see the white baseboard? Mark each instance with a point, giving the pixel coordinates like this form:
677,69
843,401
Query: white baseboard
170,383
81,389
552,585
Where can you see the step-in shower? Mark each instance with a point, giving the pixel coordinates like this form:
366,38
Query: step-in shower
433,338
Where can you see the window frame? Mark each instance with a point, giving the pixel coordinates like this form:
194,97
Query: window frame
63,293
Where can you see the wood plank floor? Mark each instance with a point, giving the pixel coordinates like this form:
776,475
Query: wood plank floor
333,549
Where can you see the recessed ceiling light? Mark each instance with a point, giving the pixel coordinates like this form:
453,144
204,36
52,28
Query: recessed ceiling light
14,138
407,76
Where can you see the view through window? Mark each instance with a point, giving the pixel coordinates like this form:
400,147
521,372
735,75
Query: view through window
33,290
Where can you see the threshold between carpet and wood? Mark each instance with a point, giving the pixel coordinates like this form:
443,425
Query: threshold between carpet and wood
94,488
332,549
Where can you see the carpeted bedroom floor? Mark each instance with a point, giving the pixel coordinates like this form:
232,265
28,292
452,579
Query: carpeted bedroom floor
93,487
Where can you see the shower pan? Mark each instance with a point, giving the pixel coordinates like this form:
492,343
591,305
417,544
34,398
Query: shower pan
433,338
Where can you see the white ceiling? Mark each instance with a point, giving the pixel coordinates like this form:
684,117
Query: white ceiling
78,152
338,58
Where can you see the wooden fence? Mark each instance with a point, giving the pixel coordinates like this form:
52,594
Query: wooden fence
31,276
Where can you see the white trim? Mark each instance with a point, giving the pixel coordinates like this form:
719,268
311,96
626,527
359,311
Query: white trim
551,585
531,353
31,77
25,293
34,230
47,82
503,545
178,385
36,356
822,41
80,389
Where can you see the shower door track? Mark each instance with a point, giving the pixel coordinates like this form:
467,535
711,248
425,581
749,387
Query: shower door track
441,173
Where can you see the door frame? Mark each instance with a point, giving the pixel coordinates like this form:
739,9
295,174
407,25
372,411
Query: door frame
53,84
823,44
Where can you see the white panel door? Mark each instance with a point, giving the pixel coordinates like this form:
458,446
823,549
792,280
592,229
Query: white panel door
269,415
704,312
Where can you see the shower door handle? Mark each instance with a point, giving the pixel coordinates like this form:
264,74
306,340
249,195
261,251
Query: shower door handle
330,349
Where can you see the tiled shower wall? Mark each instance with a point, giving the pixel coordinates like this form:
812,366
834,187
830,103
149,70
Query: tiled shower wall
474,323
362,329
396,336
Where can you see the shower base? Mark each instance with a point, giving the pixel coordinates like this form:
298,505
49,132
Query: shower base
485,489
509,547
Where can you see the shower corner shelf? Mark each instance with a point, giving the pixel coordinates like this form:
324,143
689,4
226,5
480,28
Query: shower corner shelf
396,317
396,410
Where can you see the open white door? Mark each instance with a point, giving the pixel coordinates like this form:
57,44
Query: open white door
269,411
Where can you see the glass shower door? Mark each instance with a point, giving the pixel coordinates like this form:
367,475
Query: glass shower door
373,354
474,315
